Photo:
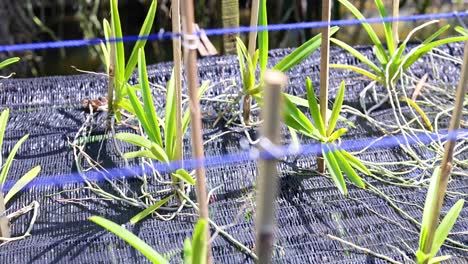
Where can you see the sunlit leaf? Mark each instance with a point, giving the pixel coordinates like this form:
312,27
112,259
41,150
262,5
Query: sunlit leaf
358,55
9,61
314,108
337,134
336,109
143,214
184,175
170,125
387,27
9,160
334,169
3,124
355,162
348,170
358,70
263,37
429,205
200,242
22,182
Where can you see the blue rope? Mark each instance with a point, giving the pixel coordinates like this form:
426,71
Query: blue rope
223,31
237,158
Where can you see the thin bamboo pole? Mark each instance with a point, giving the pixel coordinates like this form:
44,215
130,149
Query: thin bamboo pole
275,81
446,165
4,225
253,23
324,70
396,14
194,105
111,82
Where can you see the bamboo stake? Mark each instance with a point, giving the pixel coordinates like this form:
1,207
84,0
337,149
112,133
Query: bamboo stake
396,14
446,165
275,81
195,121
324,70
4,223
253,23
177,56
111,82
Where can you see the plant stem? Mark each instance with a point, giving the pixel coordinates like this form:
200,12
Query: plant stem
366,250
195,121
4,223
446,165
396,14
275,81
324,70
253,23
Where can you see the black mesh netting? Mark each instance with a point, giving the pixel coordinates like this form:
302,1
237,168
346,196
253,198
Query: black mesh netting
309,206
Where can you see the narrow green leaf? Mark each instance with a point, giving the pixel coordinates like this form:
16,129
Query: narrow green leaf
358,55
3,124
159,152
418,109
130,238
186,118
23,181
429,205
348,170
302,52
188,252
9,61
184,175
294,118
358,70
387,27
9,160
199,243
263,37
143,214
314,108
370,31
170,119
140,44
240,58
338,133
119,46
355,162
334,169
150,112
336,109
439,259
137,107
134,139
436,34
461,30
140,154
445,226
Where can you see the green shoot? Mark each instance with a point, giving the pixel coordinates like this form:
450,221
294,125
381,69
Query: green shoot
444,227
392,62
9,61
195,252
338,161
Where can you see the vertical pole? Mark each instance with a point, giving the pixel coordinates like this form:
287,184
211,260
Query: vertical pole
195,121
111,81
396,14
253,23
177,56
4,225
267,180
324,70
446,165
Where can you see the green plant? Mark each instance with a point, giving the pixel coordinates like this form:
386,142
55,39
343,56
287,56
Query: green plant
194,252
26,178
442,231
252,87
337,160
115,63
153,146
9,61
392,61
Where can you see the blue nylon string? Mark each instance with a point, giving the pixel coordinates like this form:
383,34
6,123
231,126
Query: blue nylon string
223,31
237,158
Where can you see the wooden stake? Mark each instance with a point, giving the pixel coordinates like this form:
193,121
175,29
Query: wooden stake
267,180
446,165
324,70
396,14
4,223
195,121
253,23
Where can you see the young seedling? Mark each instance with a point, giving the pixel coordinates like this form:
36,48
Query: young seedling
337,160
194,252
116,60
392,61
20,184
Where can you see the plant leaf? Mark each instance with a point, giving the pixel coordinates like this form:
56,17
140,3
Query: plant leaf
348,170
199,243
3,124
418,109
429,205
336,109
133,240
358,70
140,154
263,37
338,133
140,44
150,113
461,30
9,61
22,182
9,160
143,214
334,168
387,27
170,119
445,226
184,175
436,34
302,52
134,139
355,162
314,108
188,252
295,119
116,36
439,259
186,118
